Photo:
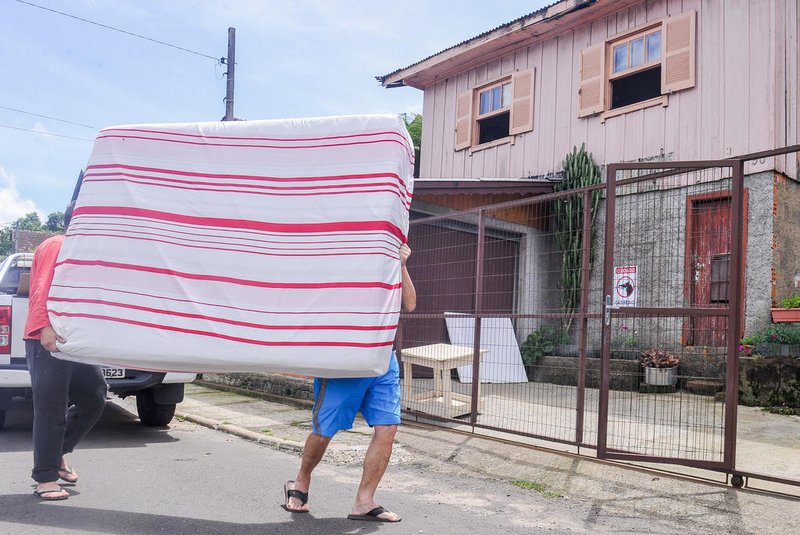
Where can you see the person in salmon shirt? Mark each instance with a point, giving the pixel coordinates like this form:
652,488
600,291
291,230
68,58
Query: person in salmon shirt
68,397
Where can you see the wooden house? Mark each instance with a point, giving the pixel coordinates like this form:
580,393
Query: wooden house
633,80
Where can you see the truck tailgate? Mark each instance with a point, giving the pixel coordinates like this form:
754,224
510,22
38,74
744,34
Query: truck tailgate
19,311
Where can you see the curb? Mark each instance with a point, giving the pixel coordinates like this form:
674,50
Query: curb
276,443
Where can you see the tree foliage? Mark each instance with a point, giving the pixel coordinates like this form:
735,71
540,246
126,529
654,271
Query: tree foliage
414,129
55,222
30,221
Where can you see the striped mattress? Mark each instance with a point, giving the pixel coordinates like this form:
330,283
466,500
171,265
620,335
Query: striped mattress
238,246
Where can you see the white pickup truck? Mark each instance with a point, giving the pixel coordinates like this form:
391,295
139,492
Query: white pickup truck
157,394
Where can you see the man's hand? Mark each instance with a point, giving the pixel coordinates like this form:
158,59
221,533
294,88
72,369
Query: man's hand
405,252
49,338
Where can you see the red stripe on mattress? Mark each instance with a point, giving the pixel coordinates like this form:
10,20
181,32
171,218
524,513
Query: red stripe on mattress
339,226
263,178
91,177
287,139
304,327
246,146
233,250
227,307
231,280
221,189
236,230
222,336
87,226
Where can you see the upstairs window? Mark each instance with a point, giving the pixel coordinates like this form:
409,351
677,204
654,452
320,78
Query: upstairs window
494,110
638,69
494,113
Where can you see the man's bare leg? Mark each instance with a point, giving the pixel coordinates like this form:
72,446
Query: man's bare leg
375,462
313,451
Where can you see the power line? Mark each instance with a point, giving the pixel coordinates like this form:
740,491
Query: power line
219,60
48,117
44,133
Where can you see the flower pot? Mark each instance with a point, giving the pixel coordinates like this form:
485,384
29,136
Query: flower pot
661,376
785,315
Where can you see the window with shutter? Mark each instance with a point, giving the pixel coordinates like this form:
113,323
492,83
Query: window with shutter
679,53
639,68
592,80
495,112
463,120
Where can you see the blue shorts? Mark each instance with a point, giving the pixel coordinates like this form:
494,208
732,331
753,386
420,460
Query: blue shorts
338,401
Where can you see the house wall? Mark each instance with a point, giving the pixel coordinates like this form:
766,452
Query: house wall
787,238
651,234
745,98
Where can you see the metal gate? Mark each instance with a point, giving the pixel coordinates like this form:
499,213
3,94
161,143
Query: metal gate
661,273
672,275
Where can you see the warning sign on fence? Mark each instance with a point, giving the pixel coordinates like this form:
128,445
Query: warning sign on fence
625,286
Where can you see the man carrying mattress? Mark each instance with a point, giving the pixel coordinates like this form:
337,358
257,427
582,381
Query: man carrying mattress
336,403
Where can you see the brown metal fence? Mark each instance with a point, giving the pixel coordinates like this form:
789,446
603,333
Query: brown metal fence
556,343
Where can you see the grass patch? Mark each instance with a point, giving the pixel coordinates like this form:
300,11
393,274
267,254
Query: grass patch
266,431
180,418
538,487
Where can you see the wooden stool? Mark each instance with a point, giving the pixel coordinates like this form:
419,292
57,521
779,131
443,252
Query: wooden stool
442,358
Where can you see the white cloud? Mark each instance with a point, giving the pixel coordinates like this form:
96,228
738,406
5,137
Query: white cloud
12,204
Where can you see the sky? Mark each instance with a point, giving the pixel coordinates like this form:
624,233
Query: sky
64,79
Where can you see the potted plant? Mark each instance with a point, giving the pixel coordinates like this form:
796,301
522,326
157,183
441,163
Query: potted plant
539,343
660,367
789,311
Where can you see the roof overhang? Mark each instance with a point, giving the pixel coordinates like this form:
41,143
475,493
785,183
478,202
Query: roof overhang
481,187
537,26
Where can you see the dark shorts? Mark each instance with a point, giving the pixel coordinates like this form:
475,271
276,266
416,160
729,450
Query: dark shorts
338,401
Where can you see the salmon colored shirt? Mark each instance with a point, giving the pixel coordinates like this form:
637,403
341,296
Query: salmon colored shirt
42,269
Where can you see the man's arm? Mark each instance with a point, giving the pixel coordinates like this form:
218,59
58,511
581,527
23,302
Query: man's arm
409,299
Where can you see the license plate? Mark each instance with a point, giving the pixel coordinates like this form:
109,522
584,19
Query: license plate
113,373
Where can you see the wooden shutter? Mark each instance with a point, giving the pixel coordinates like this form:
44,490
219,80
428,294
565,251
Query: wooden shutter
678,65
521,102
463,120
591,95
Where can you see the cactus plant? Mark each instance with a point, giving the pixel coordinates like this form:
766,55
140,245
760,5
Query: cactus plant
579,171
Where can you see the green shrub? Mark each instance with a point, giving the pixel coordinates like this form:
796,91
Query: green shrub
539,343
774,333
791,302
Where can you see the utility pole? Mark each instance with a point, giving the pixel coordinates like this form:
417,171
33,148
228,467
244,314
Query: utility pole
231,61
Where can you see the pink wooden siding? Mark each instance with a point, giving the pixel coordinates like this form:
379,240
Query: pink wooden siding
745,97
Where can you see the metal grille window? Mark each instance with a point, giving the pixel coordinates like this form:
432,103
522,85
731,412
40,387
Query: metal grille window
720,265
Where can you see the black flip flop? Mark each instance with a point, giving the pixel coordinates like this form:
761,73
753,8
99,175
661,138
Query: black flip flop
373,516
294,493
41,493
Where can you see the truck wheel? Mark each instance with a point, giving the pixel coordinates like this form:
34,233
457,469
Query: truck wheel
153,414
2,419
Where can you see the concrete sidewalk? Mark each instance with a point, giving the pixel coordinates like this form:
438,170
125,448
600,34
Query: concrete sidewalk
613,490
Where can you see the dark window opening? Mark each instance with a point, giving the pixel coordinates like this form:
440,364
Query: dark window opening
720,265
635,88
495,127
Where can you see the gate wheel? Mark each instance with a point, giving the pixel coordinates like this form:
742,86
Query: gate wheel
737,481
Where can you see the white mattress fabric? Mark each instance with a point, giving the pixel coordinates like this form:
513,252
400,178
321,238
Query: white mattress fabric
238,246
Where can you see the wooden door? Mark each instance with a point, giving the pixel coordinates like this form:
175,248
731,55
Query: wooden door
708,262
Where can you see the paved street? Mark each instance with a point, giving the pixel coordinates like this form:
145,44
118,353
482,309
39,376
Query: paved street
192,478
